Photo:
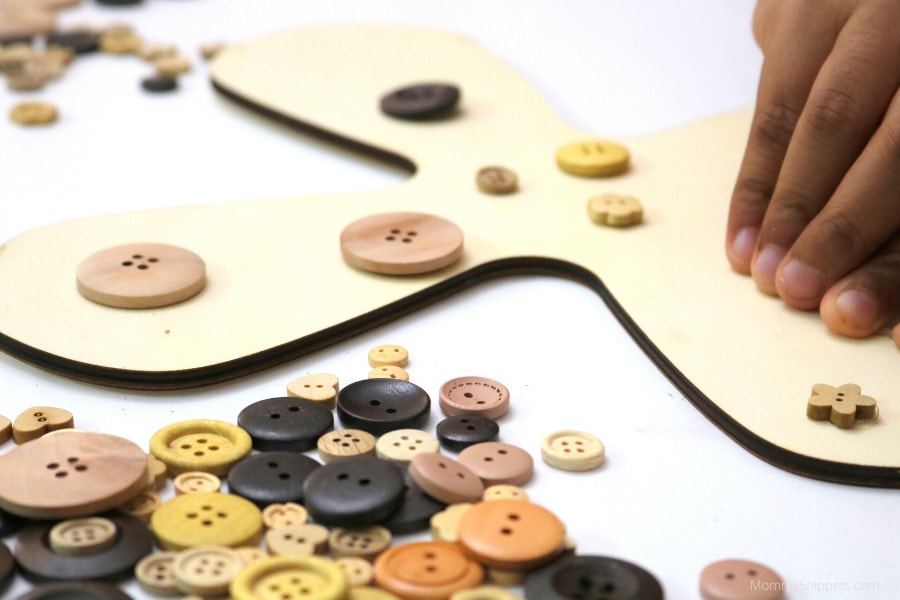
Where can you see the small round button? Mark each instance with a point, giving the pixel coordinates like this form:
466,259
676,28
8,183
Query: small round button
361,542
571,450
192,482
401,445
270,477
200,445
574,577
156,573
81,537
615,210
421,101
497,180
426,570
293,578
207,570
734,579
143,275
389,355
445,479
593,158
401,243
280,515
215,519
496,462
382,405
354,492
474,396
345,443
359,571
461,431
302,539
286,423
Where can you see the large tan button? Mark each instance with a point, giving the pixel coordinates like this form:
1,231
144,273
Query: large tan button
78,474
401,445
318,387
496,463
200,445
215,519
593,158
206,571
345,443
426,570
571,450
82,537
740,580
38,420
447,480
474,396
144,275
303,539
361,542
401,243
291,578
511,534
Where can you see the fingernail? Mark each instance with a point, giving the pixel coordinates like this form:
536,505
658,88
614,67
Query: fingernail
802,282
745,243
767,262
857,308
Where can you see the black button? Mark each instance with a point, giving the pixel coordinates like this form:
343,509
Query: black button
362,490
80,590
382,405
79,41
415,512
271,477
592,578
421,102
286,423
7,565
461,431
159,83
9,523
133,542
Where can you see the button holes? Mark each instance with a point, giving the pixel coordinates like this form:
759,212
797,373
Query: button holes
513,516
186,446
72,460
431,568
53,466
480,402
356,440
345,444
222,515
488,459
406,240
44,419
391,411
343,476
153,260
394,231
273,465
442,465
470,428
396,444
61,474
206,507
213,448
404,437
374,403
506,531
390,238
137,256
206,523
469,395
364,481
752,573
411,448
729,576
411,234
501,451
284,476
294,409
460,475
199,453
201,440
430,556
81,468
275,416
143,267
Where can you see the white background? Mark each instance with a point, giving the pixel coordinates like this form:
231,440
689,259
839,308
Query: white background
675,493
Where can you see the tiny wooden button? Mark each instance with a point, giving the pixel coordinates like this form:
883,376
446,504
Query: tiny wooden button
318,387
192,482
572,450
401,445
401,243
284,514
511,534
143,275
38,420
740,580
426,570
304,539
141,506
120,41
172,66
389,372
445,524
388,355
359,570
505,492
200,445
156,573
497,462
842,405
206,519
471,395
593,158
5,430
361,542
206,570
445,479
291,577
345,443
81,537
615,210
33,113
497,180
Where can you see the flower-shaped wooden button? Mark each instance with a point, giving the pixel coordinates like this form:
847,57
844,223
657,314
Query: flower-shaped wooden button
734,579
615,210
401,243
426,570
842,405
593,158
318,387
291,578
74,475
302,539
206,519
200,445
142,275
474,396
497,462
284,514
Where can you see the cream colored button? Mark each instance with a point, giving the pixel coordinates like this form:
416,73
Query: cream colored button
615,210
206,570
401,445
193,482
282,515
388,355
401,243
33,113
172,66
38,420
359,571
389,372
503,491
445,524
485,592
345,443
297,540
82,537
497,180
142,275
318,387
593,158
157,472
361,542
571,450
156,573
141,506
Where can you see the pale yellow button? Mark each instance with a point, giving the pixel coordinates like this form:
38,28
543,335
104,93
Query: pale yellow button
615,210
504,491
33,113
141,275
305,539
572,450
445,524
361,542
200,445
401,445
485,592
389,372
345,443
294,578
359,571
216,519
318,387
281,515
388,355
207,570
193,482
593,158
156,573
82,537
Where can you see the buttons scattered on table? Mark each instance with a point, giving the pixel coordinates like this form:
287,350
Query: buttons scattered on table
286,423
593,158
734,579
382,405
421,101
474,396
843,405
615,210
571,450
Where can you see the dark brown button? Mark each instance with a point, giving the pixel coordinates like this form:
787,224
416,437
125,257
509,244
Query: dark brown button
421,101
354,492
82,590
7,564
461,431
382,405
576,577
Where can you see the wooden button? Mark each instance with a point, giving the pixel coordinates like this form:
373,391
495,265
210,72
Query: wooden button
155,573
283,514
421,101
426,570
79,41
370,593
485,592
157,473
401,445
740,580
216,519
593,158
390,355
5,430
83,590
496,462
445,479
270,477
842,405
574,577
172,66
354,492
318,387
74,475
415,511
571,450
38,420
359,571
294,578
286,423
7,564
361,542
79,537
401,243
615,210
497,180
207,570
345,443
141,506
461,431
302,539
144,275
445,524
382,405
505,492
511,534
474,396
33,113
193,482
389,372
200,445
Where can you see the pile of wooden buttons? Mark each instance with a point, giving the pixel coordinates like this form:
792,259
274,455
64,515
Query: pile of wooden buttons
255,515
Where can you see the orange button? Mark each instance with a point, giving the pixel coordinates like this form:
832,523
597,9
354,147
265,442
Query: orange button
426,570
511,534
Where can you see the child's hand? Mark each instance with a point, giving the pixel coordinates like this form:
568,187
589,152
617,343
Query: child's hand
815,215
